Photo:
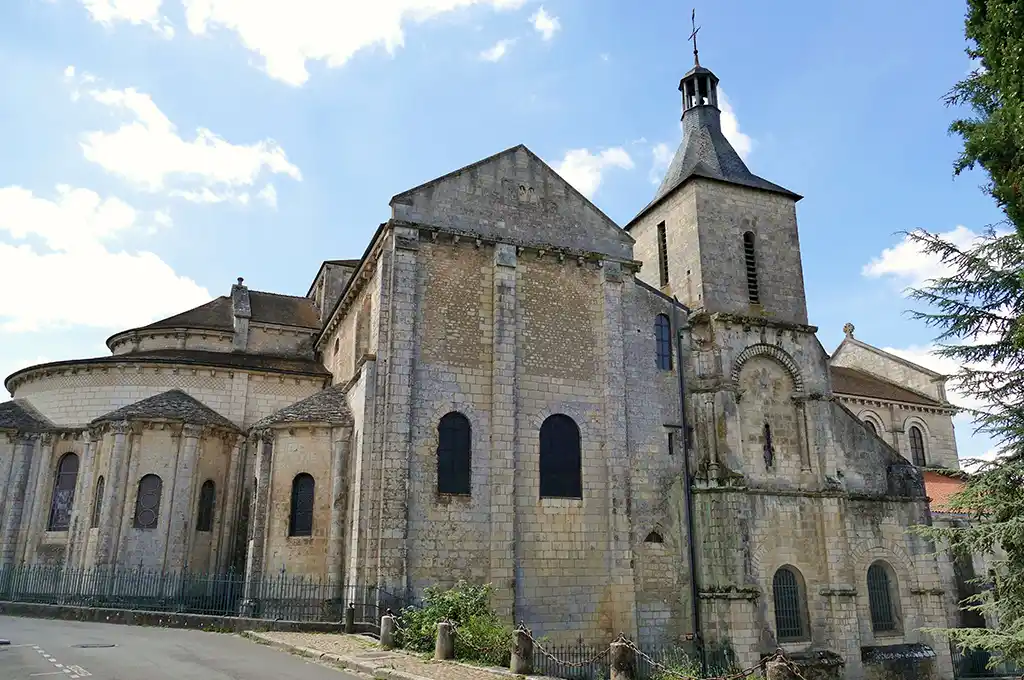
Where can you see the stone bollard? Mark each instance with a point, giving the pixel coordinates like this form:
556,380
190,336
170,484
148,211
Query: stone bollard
444,648
777,669
621,660
387,631
350,618
522,652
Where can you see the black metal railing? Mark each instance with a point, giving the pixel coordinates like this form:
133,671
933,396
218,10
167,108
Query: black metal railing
976,663
284,596
573,662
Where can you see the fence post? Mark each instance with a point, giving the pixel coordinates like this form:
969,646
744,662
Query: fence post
387,631
622,660
522,651
350,618
444,647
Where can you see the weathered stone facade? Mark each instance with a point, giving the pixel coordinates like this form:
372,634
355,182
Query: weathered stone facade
500,293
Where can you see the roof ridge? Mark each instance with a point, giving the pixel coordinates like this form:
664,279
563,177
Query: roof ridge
897,358
270,292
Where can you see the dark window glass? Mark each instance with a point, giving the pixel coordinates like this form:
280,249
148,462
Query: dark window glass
789,604
207,498
561,474
663,342
917,445
662,255
654,537
883,617
454,454
147,504
871,426
750,258
97,504
63,493
301,521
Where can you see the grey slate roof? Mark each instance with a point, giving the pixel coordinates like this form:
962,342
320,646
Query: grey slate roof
20,415
856,383
171,405
328,406
285,310
705,152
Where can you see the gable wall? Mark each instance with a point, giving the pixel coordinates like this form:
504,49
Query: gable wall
852,355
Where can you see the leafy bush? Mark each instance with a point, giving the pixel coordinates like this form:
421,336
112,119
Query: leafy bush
480,634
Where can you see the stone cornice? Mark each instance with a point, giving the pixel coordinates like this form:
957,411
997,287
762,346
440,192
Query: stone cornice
182,332
905,405
809,493
701,315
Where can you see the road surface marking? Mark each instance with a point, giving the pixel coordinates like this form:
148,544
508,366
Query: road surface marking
72,672
36,675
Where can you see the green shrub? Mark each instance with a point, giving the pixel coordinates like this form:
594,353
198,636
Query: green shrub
480,634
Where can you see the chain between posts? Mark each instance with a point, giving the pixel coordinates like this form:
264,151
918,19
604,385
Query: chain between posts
569,664
481,650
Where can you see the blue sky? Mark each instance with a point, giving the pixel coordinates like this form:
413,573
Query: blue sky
154,150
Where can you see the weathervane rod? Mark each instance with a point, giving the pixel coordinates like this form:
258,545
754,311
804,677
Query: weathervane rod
693,35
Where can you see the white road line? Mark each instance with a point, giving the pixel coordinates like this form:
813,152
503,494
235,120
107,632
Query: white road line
35,675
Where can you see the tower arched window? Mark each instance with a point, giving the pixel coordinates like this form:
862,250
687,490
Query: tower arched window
882,598
207,499
917,446
750,262
147,503
454,454
561,460
63,493
97,504
300,522
790,605
663,342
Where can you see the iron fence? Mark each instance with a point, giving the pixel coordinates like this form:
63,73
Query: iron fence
282,596
975,663
573,662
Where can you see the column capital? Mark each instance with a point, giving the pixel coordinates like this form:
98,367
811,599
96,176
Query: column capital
122,427
27,437
192,431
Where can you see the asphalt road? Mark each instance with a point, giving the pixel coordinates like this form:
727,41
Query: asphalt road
53,650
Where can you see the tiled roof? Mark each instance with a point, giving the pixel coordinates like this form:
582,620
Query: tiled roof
328,406
19,414
939,488
171,405
217,314
860,384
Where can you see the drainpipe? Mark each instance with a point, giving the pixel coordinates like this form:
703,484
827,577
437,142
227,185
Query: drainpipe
698,638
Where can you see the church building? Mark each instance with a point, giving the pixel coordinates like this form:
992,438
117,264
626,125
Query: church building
510,388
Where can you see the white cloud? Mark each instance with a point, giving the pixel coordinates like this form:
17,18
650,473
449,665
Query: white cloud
583,169
74,277
268,195
498,50
911,266
288,34
148,151
138,12
661,157
545,24
731,128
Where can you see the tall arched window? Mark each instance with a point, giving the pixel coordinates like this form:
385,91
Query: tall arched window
97,504
750,261
790,605
917,446
63,493
207,498
881,591
147,503
454,454
561,474
300,523
663,342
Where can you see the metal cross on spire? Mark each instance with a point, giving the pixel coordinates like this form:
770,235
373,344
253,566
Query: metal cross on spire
693,35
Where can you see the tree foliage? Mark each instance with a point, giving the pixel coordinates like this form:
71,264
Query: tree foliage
479,633
994,136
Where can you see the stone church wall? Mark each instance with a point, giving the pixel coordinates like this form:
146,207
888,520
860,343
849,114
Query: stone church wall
356,333
678,212
208,548
863,359
936,427
279,341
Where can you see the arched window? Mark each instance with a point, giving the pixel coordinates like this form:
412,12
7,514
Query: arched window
454,454
871,426
97,504
790,605
917,446
750,260
63,493
561,474
881,589
207,498
300,523
147,503
654,537
663,340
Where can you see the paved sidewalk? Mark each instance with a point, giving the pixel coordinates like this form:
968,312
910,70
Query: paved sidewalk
363,654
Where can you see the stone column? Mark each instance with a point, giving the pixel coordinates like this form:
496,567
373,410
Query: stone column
260,510
82,509
113,496
37,508
502,456
179,534
341,439
229,507
15,502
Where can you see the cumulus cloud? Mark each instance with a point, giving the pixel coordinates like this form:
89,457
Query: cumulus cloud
148,151
545,24
584,170
731,128
60,253
497,51
908,265
138,12
268,195
661,157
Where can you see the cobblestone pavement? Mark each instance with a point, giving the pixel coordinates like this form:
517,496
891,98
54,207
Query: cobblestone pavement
361,653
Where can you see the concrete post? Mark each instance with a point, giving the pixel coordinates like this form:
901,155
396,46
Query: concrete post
622,661
15,503
522,652
182,512
444,647
387,631
350,618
